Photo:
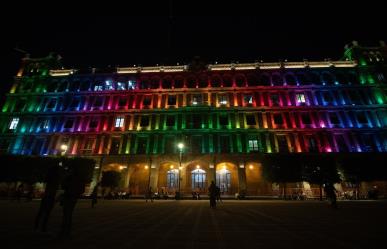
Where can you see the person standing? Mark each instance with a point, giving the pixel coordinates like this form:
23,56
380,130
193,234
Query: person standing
149,195
53,179
94,195
73,187
330,192
212,191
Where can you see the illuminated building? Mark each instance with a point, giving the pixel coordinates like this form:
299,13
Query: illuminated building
132,118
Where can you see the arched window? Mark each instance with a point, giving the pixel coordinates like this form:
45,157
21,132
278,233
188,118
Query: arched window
144,83
341,79
264,80
52,86
240,81
167,83
179,82
352,78
290,80
216,81
277,80
198,179
84,86
328,79
314,78
203,81
191,82
227,81
302,79
252,80
74,86
223,180
155,83
172,178
62,86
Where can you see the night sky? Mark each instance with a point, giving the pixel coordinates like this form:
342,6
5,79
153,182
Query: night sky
216,32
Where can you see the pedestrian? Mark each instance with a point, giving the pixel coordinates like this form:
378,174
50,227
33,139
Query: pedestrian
19,192
331,194
218,195
73,187
212,191
53,180
94,195
149,195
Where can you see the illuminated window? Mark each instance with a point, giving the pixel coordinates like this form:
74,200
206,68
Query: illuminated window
51,104
109,85
14,123
131,84
198,178
223,99
196,99
119,122
253,145
98,88
44,124
121,86
334,118
69,123
278,119
300,97
248,99
305,117
275,99
93,123
172,178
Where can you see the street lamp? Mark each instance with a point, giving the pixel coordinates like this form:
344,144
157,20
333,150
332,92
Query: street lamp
180,146
63,149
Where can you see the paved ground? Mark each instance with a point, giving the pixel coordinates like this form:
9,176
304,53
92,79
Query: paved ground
192,224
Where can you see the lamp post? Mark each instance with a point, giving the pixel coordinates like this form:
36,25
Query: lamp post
180,146
63,149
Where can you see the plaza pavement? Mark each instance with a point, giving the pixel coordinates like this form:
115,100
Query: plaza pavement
192,224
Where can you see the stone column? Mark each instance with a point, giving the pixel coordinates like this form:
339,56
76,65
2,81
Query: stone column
242,177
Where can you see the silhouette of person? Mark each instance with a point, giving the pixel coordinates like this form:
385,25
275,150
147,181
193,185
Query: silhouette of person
212,191
53,180
218,197
19,192
149,195
73,187
94,195
331,194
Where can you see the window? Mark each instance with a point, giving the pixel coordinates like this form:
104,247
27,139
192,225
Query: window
312,144
224,144
196,121
305,117
223,99
44,124
196,144
51,104
333,118
197,99
131,84
170,145
109,85
75,103
253,145
223,120
119,122
121,86
122,101
115,146
248,99
88,145
170,122
282,143
144,121
198,179
354,97
341,144
171,99
223,179
147,100
278,119
300,98
274,99
14,123
327,97
172,178
98,88
69,123
98,102
141,145
361,118
250,119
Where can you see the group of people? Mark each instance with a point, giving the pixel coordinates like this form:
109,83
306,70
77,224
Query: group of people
66,187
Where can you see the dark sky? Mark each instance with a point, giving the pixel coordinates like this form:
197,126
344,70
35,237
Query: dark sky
228,32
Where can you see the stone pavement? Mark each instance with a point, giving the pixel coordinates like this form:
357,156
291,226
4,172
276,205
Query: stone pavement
192,224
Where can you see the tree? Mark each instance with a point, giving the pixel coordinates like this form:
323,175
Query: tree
282,168
110,179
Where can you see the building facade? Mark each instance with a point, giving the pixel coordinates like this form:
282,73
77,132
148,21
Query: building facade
132,119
